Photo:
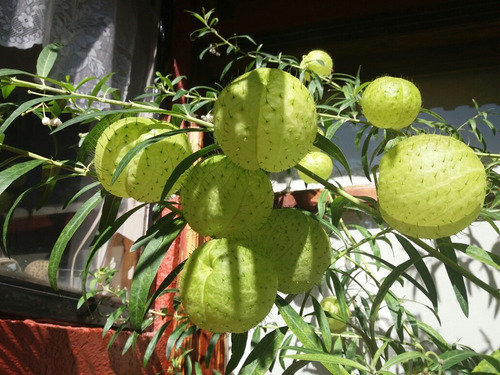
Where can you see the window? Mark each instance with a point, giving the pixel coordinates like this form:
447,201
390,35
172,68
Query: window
97,39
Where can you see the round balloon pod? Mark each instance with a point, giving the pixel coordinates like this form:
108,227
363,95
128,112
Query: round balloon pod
317,162
145,176
298,245
336,323
227,287
391,102
221,199
266,119
430,186
317,61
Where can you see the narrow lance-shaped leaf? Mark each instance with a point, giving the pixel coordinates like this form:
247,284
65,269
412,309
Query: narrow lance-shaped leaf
211,347
402,358
48,172
110,210
146,270
333,150
141,146
174,336
404,275
327,359
9,175
102,238
324,327
384,289
152,344
165,283
263,354
486,257
302,330
421,268
10,213
47,58
184,165
26,106
67,233
457,281
238,346
451,358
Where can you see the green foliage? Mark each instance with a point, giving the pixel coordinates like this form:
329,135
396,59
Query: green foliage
302,335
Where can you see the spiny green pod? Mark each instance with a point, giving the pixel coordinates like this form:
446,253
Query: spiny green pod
225,286
299,247
391,102
266,119
221,199
145,175
430,186
316,61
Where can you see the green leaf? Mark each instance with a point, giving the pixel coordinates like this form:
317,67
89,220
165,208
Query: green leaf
434,335
327,359
101,240
486,257
13,72
211,347
238,346
67,233
384,288
402,358
421,268
109,212
22,108
174,336
303,331
184,166
88,145
48,172
154,341
451,358
8,176
333,150
457,281
132,339
47,58
263,354
340,294
337,209
110,321
142,145
323,324
146,269
489,365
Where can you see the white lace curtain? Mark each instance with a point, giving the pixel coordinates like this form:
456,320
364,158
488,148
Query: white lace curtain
99,37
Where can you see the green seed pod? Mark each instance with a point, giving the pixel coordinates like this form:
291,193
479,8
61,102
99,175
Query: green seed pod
317,162
299,247
221,199
430,186
227,287
390,102
331,305
265,119
317,61
146,174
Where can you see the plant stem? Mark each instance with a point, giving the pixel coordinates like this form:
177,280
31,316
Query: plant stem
81,171
338,191
336,117
461,270
126,104
489,155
